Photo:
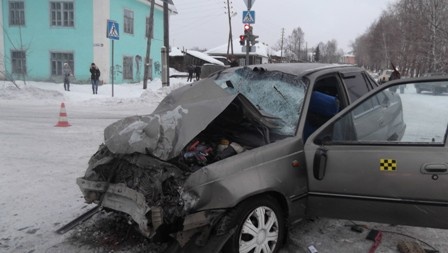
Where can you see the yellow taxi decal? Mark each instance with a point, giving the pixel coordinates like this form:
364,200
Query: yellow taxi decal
388,164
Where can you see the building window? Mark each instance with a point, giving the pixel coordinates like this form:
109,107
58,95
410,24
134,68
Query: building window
62,14
129,21
16,13
18,62
57,63
127,68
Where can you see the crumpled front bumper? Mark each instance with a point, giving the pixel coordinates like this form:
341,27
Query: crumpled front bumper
119,197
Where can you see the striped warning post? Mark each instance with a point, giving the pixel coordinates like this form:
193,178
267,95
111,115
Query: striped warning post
63,122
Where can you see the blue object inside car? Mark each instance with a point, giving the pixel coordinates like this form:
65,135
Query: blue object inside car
322,107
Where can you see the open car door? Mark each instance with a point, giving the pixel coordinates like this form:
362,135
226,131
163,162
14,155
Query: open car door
384,158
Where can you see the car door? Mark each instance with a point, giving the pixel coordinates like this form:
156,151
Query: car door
383,159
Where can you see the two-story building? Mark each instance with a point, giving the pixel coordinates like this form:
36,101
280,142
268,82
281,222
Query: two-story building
39,36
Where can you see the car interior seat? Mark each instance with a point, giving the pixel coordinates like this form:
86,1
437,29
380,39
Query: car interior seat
322,107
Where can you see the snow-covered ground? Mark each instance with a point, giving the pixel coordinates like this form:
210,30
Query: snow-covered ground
39,164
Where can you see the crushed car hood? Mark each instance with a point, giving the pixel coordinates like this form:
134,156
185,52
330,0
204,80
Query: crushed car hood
182,115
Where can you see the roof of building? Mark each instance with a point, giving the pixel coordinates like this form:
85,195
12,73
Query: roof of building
204,57
175,51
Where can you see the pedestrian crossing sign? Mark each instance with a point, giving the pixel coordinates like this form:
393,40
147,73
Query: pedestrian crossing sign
113,31
248,17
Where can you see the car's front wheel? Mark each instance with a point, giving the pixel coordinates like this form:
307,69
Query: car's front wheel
260,226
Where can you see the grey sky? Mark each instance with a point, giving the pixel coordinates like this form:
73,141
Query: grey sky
204,24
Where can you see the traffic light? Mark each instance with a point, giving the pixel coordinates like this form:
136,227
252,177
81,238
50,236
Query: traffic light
247,29
242,39
252,39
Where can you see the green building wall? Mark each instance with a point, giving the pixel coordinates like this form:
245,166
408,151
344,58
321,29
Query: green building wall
134,45
39,39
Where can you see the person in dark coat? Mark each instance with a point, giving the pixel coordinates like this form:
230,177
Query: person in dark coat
394,76
197,71
234,63
94,77
190,73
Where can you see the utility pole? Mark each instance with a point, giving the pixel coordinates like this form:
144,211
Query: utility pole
230,41
166,39
306,52
247,33
248,39
148,45
281,47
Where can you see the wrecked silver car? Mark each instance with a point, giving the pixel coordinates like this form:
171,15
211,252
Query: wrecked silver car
227,162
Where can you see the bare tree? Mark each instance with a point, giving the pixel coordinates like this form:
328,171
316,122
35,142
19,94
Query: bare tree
295,48
295,42
329,52
21,47
412,34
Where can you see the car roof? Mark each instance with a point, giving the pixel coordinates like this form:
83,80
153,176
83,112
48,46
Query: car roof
300,69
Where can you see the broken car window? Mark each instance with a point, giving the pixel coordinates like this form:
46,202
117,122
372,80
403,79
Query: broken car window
274,93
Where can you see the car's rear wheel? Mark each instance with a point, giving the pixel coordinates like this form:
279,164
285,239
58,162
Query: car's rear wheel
260,226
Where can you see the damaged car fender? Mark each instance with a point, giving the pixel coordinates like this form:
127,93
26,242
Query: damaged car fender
270,168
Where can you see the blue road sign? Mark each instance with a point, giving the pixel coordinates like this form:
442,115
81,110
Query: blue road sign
249,17
113,31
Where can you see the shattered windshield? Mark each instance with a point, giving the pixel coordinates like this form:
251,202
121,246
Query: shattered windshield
274,93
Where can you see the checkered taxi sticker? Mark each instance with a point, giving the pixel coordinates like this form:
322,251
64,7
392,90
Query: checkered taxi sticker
388,164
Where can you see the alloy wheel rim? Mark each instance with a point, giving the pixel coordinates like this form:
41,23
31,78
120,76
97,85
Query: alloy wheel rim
260,231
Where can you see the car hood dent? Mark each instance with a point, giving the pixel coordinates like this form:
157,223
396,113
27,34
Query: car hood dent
176,121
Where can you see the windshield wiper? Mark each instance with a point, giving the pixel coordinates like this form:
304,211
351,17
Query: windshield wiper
281,94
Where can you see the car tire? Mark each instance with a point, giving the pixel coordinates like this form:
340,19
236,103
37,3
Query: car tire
250,233
418,90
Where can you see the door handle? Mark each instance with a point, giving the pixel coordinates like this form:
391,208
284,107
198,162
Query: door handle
431,168
320,163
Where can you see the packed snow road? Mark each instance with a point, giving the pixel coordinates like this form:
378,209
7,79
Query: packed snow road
40,163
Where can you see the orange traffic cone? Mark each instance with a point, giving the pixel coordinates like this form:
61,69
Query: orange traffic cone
62,118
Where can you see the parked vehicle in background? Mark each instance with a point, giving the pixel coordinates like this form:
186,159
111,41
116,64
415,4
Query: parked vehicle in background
374,75
385,75
227,162
434,89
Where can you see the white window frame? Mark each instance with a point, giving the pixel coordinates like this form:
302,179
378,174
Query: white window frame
128,21
18,62
57,60
16,13
62,14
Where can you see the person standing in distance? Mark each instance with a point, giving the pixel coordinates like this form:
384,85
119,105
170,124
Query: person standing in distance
67,73
94,77
190,73
197,71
